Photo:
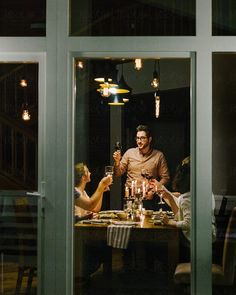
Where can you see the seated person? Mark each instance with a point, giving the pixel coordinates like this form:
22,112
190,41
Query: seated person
83,203
182,207
93,253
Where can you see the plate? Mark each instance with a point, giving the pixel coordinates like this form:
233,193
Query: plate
110,211
95,221
110,215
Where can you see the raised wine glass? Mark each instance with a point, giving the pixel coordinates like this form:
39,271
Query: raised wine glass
109,170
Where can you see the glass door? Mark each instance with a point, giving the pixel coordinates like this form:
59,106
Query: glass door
155,92
20,176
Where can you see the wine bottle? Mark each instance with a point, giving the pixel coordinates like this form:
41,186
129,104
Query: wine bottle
118,146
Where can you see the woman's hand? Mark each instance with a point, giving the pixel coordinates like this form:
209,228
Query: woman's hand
156,185
106,182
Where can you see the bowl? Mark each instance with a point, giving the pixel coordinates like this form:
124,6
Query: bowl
147,212
122,215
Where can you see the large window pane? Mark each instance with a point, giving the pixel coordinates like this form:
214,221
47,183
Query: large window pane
132,18
223,18
22,18
223,170
19,134
148,264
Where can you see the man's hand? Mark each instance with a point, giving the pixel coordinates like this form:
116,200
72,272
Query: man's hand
117,157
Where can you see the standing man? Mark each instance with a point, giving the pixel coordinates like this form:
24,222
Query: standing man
142,157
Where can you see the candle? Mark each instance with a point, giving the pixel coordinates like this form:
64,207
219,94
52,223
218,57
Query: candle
144,189
132,188
126,191
135,186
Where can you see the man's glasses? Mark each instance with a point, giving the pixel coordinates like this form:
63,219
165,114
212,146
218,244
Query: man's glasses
142,138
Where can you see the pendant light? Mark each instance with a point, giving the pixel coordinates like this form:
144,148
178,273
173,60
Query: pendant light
25,108
156,76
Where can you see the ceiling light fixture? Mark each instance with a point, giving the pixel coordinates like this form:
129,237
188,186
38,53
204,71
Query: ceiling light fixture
116,100
25,114
156,76
157,104
80,64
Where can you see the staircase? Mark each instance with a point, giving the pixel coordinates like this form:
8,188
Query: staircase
18,138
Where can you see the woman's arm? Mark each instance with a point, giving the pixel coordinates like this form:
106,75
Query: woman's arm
91,203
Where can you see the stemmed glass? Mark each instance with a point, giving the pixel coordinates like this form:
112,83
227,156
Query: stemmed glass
109,170
160,192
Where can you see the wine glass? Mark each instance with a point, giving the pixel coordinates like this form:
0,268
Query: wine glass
160,192
109,170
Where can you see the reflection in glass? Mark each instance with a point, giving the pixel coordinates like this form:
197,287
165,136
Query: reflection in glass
19,136
223,18
132,18
22,18
223,170
18,229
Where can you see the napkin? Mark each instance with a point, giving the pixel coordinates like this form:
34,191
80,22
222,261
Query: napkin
118,235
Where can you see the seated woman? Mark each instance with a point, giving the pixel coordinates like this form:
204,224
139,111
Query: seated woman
93,253
83,203
182,207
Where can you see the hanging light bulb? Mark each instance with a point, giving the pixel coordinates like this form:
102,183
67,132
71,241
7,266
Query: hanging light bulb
23,82
106,89
138,64
80,64
156,78
25,115
157,104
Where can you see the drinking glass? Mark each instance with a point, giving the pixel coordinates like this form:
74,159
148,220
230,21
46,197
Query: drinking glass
160,192
109,170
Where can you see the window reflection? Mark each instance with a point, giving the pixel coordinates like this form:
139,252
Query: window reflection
223,171
132,18
19,138
23,18
223,18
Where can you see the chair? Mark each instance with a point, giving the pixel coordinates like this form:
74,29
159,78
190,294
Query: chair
26,218
222,274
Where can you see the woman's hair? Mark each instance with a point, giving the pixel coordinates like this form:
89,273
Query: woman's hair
79,172
181,181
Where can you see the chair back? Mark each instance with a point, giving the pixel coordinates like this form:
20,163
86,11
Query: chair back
229,251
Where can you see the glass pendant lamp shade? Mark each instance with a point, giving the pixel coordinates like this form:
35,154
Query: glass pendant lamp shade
116,100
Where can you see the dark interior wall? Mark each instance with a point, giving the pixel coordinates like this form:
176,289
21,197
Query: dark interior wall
171,131
224,122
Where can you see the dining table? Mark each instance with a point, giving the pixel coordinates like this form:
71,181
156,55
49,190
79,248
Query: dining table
144,230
